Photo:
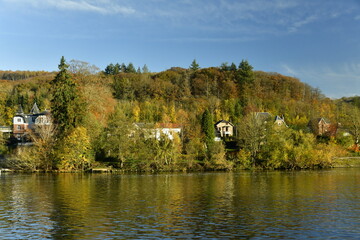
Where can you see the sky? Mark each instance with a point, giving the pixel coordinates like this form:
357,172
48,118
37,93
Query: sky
317,41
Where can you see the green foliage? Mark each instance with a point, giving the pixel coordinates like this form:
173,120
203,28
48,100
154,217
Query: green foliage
23,159
3,144
67,107
145,69
117,137
245,79
20,75
289,149
112,69
178,95
245,73
252,135
217,158
194,65
207,126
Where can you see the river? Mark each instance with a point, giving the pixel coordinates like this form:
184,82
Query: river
241,205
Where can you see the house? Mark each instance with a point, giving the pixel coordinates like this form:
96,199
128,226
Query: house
265,117
23,123
224,129
279,121
322,127
158,130
168,130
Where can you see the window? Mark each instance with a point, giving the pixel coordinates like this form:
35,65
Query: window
19,120
18,127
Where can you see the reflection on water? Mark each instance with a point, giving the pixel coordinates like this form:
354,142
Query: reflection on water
305,204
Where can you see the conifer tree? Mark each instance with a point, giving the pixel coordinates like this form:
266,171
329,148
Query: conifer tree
245,79
194,65
66,106
245,73
208,128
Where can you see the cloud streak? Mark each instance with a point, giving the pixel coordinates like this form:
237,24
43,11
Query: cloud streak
254,17
96,6
244,16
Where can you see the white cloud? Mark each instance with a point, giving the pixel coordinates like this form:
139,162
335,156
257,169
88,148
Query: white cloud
297,24
255,17
288,70
97,6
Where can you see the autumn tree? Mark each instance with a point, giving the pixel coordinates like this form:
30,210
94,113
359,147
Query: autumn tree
252,135
74,152
116,138
350,120
43,137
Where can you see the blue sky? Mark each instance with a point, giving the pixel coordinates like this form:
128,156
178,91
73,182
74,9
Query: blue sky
317,41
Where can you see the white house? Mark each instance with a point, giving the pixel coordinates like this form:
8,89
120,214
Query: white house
22,122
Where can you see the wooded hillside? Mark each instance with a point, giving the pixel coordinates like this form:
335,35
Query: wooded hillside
120,97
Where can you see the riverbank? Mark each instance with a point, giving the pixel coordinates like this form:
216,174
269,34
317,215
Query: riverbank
343,162
339,162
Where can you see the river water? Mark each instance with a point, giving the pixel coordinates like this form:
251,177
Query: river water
243,205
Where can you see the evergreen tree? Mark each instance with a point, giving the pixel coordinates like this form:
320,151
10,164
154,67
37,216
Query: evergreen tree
207,126
245,80
233,67
66,105
123,67
145,69
194,65
224,66
130,68
117,69
245,73
109,69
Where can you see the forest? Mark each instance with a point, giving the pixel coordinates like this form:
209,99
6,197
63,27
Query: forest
94,114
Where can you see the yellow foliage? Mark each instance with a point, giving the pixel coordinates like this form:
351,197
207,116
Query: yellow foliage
75,151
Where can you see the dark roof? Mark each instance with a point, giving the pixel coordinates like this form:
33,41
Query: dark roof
224,121
35,109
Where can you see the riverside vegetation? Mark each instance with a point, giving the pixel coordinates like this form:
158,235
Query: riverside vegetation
94,114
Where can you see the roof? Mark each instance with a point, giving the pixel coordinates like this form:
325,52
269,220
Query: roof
35,109
318,120
224,121
278,118
262,115
324,119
